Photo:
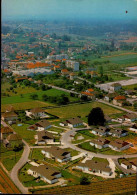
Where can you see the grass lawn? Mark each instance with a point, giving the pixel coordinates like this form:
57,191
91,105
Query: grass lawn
27,135
87,146
26,105
72,179
100,159
122,59
81,110
130,87
9,158
28,180
26,97
35,153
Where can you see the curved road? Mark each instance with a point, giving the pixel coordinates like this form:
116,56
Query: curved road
18,166
66,141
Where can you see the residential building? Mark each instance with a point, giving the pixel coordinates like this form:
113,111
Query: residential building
118,133
44,137
115,87
45,172
95,167
5,132
74,122
40,126
12,140
72,64
99,143
119,100
11,117
119,145
102,131
129,164
36,112
130,117
56,153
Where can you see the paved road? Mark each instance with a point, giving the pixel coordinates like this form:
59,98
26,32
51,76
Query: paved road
18,166
124,109
66,142
62,89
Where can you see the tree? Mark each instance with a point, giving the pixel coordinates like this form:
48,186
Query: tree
101,71
44,97
84,181
135,106
34,96
96,117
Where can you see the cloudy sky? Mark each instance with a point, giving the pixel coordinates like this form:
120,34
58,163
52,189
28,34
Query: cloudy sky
99,9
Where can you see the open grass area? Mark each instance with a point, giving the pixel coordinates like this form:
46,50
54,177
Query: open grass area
81,110
36,154
87,146
26,97
130,87
100,159
28,180
26,105
9,158
125,58
27,135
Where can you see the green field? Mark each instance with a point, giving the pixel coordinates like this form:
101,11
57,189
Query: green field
81,110
9,158
27,135
26,97
124,59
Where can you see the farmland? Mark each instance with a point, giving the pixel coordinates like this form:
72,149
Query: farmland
6,185
81,110
106,187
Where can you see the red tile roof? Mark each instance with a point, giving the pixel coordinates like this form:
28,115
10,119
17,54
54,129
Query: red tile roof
120,97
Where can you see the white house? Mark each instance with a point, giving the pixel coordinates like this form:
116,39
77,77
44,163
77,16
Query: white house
56,153
99,143
45,172
36,112
119,145
95,167
40,126
74,122
130,117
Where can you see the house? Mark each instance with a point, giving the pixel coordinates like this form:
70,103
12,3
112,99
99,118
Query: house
72,64
12,140
44,137
119,100
40,126
74,122
88,94
115,87
129,164
133,128
134,164
95,167
99,143
118,133
129,92
5,131
102,131
126,164
65,72
119,145
64,123
56,153
90,90
121,119
130,117
72,76
45,172
11,117
36,112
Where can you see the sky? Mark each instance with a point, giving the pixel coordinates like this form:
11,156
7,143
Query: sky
69,9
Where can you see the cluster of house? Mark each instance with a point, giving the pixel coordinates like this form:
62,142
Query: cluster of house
129,117
47,173
129,164
117,145
72,122
95,166
104,131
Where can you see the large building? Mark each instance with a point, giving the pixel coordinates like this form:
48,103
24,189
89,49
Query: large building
57,57
72,64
